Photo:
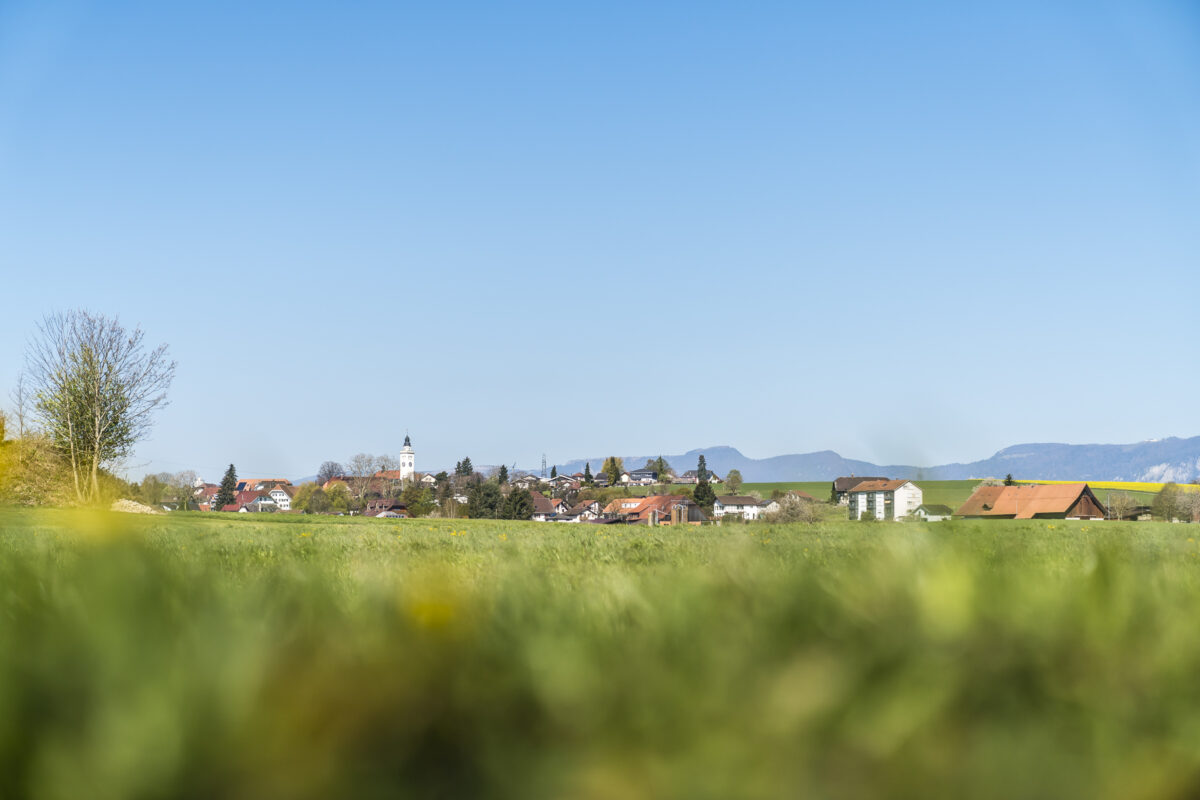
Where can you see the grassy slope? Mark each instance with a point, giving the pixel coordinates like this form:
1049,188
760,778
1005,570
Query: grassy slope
289,657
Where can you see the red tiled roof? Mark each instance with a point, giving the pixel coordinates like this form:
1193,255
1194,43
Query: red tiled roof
845,484
1023,501
878,486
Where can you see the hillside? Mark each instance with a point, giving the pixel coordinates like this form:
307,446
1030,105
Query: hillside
1171,459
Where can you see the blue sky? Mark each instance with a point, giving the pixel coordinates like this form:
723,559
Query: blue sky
909,234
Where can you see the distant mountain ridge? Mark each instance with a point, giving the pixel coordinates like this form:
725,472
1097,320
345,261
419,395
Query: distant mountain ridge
1159,460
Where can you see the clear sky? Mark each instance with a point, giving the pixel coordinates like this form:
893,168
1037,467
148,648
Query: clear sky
910,232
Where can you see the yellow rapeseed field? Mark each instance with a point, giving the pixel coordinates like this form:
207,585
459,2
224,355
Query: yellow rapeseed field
1127,486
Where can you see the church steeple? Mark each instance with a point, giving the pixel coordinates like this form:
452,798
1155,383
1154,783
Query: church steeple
408,460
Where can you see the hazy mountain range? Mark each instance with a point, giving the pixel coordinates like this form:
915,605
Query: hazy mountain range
1158,460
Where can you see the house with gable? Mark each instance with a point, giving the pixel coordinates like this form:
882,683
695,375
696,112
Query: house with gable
282,496
643,477
543,507
744,506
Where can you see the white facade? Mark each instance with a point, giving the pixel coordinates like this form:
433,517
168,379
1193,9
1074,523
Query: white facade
748,509
928,515
408,460
904,501
281,499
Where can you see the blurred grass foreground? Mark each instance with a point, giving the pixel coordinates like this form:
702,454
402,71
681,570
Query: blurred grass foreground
205,656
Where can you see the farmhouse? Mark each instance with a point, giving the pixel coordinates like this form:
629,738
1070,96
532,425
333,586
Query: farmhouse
842,486
1033,501
884,499
748,508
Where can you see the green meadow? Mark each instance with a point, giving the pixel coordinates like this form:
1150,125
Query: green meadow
291,657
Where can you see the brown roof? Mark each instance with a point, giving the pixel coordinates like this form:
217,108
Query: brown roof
846,484
1024,501
880,485
542,504
802,495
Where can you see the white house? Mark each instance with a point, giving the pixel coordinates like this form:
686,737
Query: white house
933,513
748,508
884,499
282,498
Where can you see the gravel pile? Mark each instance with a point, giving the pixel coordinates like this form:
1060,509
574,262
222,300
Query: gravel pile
130,507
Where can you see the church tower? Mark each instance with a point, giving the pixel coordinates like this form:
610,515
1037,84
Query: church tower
408,460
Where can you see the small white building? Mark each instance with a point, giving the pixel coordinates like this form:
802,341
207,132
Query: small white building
933,513
748,508
884,499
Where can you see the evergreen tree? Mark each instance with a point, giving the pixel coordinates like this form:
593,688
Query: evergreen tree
662,468
226,494
485,501
518,505
502,475
467,466
1008,480
704,494
417,499
587,473
553,472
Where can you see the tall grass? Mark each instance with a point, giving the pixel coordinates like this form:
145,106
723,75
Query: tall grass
204,656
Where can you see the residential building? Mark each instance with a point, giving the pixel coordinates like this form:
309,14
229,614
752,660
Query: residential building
543,507
842,486
744,506
643,477
282,497
884,499
666,509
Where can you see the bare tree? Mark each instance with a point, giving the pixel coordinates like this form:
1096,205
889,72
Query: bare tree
361,467
1120,505
94,388
20,399
328,471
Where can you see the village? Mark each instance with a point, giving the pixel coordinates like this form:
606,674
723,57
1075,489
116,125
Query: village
652,495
